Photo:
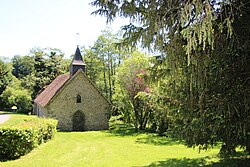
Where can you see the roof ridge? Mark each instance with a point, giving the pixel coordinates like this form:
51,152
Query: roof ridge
51,90
71,78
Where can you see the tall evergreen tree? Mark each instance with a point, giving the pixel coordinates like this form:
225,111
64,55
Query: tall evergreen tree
203,63
47,66
22,66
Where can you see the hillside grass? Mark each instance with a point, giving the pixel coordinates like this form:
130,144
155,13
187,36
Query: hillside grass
119,146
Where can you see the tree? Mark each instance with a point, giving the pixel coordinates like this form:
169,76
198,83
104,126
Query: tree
15,95
47,66
102,61
93,66
22,66
203,63
130,81
156,21
31,74
5,78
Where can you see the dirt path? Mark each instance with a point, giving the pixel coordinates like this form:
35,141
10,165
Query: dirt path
4,118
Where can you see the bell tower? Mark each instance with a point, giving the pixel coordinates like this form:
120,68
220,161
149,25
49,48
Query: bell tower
77,62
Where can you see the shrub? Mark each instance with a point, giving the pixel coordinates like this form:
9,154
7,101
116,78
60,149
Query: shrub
18,141
44,128
15,142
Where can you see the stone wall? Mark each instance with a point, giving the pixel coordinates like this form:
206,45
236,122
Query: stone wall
39,110
93,105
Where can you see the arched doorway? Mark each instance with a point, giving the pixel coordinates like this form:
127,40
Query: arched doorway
78,121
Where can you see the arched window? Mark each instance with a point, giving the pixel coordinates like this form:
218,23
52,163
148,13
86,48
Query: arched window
78,99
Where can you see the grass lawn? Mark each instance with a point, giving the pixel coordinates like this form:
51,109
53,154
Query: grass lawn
15,118
120,146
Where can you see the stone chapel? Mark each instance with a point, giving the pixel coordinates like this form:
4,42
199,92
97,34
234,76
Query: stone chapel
73,100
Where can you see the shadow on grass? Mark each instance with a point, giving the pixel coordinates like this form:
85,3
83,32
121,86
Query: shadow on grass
154,139
232,162
122,130
186,162
173,162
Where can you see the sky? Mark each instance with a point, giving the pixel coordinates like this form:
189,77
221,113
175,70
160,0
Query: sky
25,24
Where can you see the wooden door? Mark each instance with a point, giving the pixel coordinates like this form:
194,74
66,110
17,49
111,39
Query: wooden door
78,121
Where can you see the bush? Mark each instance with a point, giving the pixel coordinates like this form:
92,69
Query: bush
18,141
15,142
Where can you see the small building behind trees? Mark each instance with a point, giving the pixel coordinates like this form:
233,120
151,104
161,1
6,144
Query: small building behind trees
73,100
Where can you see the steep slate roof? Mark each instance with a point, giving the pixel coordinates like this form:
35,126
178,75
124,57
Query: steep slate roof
77,59
51,90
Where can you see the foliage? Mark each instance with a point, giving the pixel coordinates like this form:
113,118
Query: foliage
218,99
202,68
154,22
15,95
47,67
19,140
131,79
16,142
65,63
157,104
31,74
93,66
22,66
102,61
5,78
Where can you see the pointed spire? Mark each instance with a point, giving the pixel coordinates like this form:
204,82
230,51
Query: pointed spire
78,55
77,62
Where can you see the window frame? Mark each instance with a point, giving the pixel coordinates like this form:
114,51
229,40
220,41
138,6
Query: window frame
78,99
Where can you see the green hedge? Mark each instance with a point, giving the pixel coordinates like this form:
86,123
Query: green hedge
18,141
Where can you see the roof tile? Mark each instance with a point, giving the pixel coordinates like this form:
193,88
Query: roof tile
48,93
